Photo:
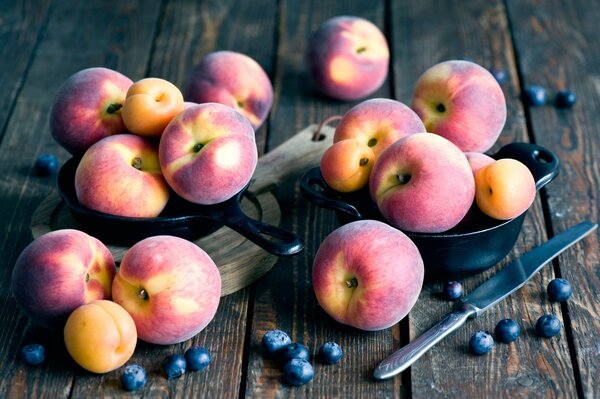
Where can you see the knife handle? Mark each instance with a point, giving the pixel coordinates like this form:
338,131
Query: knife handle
408,354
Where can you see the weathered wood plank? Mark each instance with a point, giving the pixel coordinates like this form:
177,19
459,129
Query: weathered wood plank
284,297
479,30
558,48
77,35
21,25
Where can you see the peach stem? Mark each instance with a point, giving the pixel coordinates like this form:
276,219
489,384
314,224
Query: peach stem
137,163
352,283
317,135
112,108
143,294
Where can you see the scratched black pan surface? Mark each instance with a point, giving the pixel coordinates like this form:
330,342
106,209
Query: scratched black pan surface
475,244
180,218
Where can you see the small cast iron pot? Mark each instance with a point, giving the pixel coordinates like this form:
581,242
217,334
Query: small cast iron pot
180,218
475,244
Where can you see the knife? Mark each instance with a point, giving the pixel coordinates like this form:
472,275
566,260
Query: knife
502,284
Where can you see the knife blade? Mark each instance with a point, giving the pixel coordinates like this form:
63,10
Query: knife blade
502,284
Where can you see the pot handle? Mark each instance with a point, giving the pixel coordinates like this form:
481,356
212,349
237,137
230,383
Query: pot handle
312,179
543,163
230,214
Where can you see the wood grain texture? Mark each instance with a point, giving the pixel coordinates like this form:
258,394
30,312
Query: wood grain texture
284,297
552,43
21,26
529,367
558,50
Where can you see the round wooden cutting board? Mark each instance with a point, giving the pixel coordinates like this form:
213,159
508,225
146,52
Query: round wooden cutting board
240,261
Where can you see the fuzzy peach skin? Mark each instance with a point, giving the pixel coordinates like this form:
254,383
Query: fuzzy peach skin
347,164
232,79
100,336
60,271
208,153
368,275
378,123
347,58
463,102
149,106
120,175
170,287
422,183
87,108
478,160
504,189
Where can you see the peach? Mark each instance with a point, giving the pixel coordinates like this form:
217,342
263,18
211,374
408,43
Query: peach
60,271
100,336
87,108
504,189
422,183
149,106
120,175
478,160
169,286
347,164
368,275
235,80
462,102
208,153
347,58
378,123
372,125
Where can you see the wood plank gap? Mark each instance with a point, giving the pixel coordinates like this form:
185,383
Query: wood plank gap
247,341
387,26
155,34
521,79
273,74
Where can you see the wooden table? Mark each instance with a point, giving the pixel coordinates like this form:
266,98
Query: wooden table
551,43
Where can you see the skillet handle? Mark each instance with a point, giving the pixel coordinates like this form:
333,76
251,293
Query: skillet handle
543,163
320,198
285,243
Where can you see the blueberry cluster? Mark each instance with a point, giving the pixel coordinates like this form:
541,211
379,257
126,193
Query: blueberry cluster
295,356
195,358
536,96
507,330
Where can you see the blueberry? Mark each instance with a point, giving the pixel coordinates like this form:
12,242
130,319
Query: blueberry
197,358
535,95
174,366
499,74
134,377
565,99
46,165
507,331
274,340
559,290
295,350
298,372
547,326
330,353
481,343
452,290
33,354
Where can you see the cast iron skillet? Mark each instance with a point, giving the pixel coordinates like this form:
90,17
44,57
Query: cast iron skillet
475,244
180,218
